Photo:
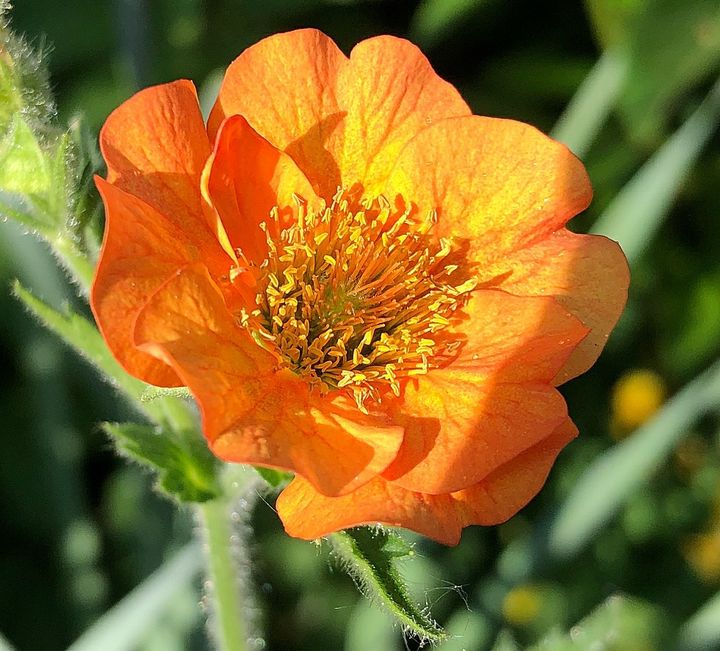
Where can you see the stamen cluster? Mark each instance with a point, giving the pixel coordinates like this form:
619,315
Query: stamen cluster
355,295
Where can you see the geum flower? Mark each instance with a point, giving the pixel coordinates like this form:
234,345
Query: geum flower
359,281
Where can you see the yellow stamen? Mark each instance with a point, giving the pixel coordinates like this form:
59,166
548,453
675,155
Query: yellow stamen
355,299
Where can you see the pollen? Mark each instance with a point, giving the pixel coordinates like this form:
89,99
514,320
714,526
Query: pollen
358,295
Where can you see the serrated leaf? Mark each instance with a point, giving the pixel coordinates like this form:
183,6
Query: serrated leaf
620,624
272,476
370,555
185,467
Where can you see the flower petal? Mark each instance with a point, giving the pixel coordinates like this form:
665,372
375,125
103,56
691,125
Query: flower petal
587,274
246,177
253,413
285,87
155,146
342,120
493,402
389,92
498,184
141,250
308,514
509,190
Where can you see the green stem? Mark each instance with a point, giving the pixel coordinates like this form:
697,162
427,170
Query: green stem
228,594
75,261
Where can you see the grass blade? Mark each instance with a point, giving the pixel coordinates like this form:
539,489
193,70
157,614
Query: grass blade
125,625
639,208
591,105
702,630
620,471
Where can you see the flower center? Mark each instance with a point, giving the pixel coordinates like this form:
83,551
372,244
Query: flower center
357,298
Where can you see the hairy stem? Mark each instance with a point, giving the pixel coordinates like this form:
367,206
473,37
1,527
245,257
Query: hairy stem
228,592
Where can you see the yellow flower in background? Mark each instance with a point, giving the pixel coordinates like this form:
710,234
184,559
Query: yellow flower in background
522,605
702,551
636,397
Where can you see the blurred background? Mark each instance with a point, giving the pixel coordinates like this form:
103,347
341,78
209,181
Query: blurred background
625,537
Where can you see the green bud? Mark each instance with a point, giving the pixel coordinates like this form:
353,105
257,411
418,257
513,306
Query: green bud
45,172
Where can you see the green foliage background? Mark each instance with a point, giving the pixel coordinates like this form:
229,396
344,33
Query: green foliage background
81,527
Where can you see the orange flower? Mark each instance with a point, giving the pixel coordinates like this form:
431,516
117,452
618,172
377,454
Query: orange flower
359,281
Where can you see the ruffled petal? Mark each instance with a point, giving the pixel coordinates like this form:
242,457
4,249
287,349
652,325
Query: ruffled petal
499,185
285,87
253,413
141,250
155,146
342,120
308,514
587,274
493,402
246,177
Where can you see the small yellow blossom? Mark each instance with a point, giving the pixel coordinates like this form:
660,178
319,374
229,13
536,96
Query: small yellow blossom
636,397
522,605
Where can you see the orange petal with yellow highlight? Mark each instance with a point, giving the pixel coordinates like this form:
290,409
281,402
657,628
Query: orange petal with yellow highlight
509,190
490,404
342,120
245,179
251,412
500,185
308,514
587,274
389,93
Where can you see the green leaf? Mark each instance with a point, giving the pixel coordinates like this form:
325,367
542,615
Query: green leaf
670,47
618,473
639,208
370,556
24,81
127,623
702,630
620,624
185,471
84,338
273,477
23,166
21,209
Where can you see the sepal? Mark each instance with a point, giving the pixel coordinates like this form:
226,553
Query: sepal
186,470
